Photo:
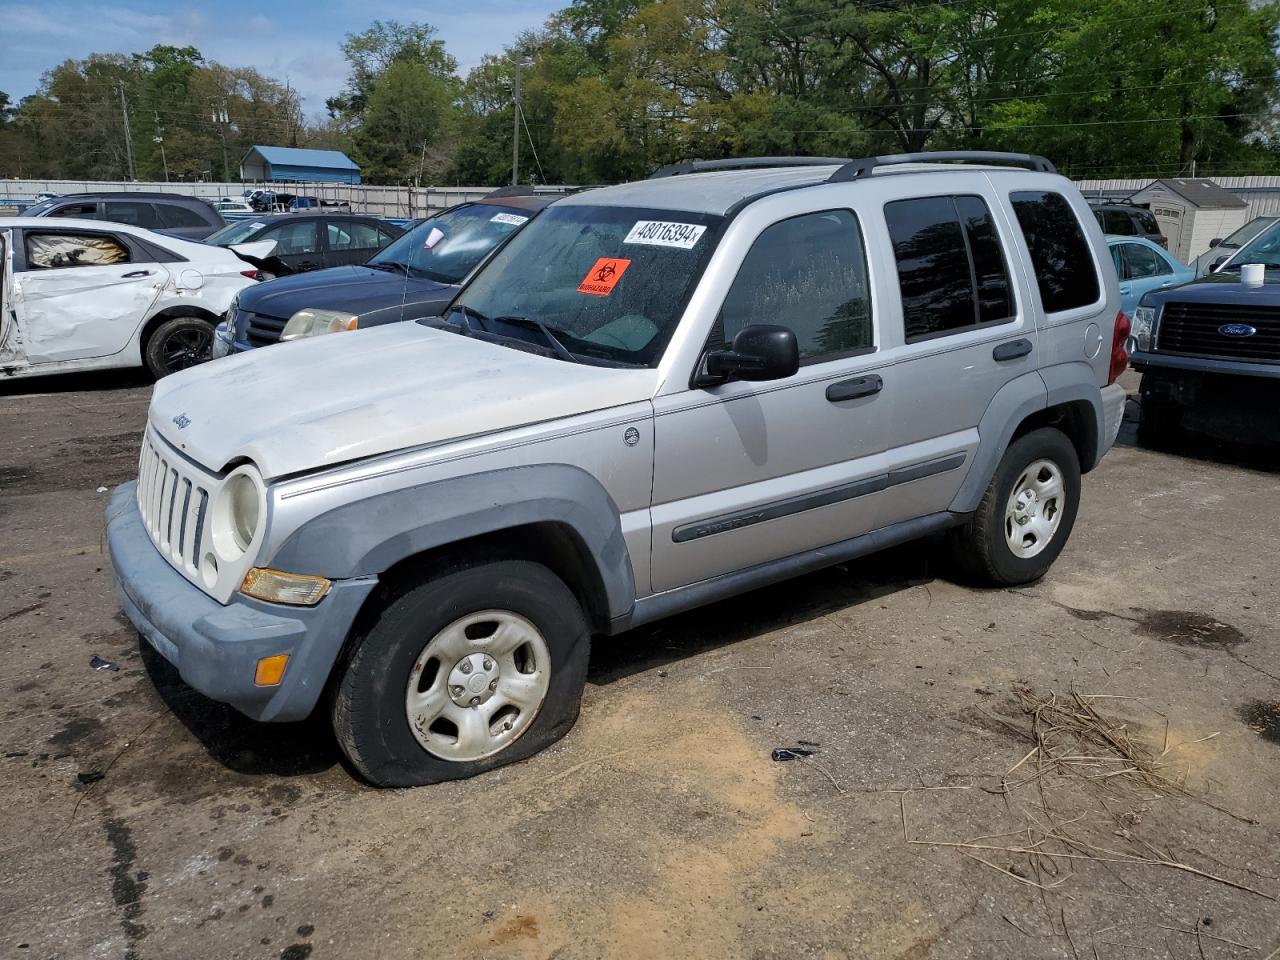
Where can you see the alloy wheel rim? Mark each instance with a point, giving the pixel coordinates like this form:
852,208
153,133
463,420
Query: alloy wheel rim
1033,511
477,685
187,348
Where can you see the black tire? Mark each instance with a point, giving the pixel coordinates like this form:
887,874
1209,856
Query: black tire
368,700
980,548
177,344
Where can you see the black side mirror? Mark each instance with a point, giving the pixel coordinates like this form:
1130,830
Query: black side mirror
1214,242
759,352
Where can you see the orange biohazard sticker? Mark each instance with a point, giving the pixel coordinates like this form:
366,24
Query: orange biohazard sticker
604,276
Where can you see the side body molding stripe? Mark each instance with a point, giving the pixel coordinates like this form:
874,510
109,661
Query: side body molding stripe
812,501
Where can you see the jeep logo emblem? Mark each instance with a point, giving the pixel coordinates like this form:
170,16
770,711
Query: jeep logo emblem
182,420
1237,330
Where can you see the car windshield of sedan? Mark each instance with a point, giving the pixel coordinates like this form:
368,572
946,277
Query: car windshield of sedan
1264,249
448,247
236,232
1247,232
608,282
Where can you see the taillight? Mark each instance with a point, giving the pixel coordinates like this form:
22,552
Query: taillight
1163,241
251,274
1119,355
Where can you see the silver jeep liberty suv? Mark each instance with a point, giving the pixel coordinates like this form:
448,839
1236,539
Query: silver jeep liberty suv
657,395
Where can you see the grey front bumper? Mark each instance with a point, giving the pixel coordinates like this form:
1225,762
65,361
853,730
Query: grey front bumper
216,648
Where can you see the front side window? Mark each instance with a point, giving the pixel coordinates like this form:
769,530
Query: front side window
55,251
1059,252
293,238
610,282
951,269
77,211
446,248
809,274
1143,262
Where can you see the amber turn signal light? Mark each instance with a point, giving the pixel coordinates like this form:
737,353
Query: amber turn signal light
270,670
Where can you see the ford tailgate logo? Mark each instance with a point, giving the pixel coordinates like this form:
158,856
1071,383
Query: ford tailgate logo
1237,330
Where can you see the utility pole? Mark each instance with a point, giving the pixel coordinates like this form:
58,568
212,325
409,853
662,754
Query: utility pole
159,138
515,127
220,118
128,136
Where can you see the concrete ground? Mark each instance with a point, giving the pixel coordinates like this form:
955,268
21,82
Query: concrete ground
961,802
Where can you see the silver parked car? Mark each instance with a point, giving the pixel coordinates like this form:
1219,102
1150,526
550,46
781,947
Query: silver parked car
654,396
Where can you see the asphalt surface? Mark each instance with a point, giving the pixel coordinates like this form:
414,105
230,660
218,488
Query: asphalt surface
1086,767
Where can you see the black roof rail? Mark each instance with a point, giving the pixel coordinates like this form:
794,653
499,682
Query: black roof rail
743,163
855,169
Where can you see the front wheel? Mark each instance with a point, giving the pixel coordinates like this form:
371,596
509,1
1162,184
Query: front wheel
178,343
1026,515
468,671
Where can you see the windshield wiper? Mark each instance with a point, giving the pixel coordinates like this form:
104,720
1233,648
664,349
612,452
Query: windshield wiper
391,266
472,320
548,333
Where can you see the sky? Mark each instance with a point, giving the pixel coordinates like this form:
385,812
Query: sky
295,40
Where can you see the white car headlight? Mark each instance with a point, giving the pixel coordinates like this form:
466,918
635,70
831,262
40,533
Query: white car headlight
239,514
1144,319
311,322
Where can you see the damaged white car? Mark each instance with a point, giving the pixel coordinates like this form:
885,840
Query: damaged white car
88,295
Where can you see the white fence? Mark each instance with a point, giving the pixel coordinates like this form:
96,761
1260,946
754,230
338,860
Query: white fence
378,201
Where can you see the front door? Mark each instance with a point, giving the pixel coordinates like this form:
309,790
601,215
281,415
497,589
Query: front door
744,472
297,244
9,351
82,294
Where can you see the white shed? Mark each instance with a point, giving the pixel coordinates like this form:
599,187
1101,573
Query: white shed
1191,213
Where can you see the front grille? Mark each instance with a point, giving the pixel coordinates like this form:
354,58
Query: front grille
259,330
1191,329
173,499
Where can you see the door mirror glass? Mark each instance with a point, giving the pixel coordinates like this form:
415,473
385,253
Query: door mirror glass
759,352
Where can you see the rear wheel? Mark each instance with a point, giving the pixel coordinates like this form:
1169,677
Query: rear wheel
1026,515
463,673
177,344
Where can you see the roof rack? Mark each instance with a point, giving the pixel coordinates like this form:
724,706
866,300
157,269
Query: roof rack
743,163
854,169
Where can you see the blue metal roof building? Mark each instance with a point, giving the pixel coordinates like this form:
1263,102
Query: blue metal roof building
293,163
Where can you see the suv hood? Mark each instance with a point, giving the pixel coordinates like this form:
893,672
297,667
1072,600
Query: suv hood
315,403
355,289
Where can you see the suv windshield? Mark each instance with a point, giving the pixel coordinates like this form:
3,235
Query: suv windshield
609,281
448,247
1264,249
234,232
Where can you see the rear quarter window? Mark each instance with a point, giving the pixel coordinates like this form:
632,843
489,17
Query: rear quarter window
1065,272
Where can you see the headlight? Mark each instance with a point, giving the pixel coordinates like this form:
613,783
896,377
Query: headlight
1144,319
238,513
311,322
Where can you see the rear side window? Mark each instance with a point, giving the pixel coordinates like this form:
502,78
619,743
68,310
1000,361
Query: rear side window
1059,252
951,270
809,274
1146,221
1117,223
1143,262
173,216
353,235
132,212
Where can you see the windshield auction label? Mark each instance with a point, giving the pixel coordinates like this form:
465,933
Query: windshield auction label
510,219
604,276
660,233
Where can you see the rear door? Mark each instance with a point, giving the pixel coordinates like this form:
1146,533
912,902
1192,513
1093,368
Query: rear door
959,329
351,241
82,294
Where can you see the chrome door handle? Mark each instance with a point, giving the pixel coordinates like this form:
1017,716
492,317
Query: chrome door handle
853,389
1011,350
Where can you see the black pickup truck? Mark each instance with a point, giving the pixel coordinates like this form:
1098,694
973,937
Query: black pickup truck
1213,346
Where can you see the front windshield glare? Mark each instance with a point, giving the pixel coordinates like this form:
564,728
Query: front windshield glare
234,232
448,247
612,280
1264,249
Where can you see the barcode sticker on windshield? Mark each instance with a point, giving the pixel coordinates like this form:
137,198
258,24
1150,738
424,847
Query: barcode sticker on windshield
511,219
660,233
